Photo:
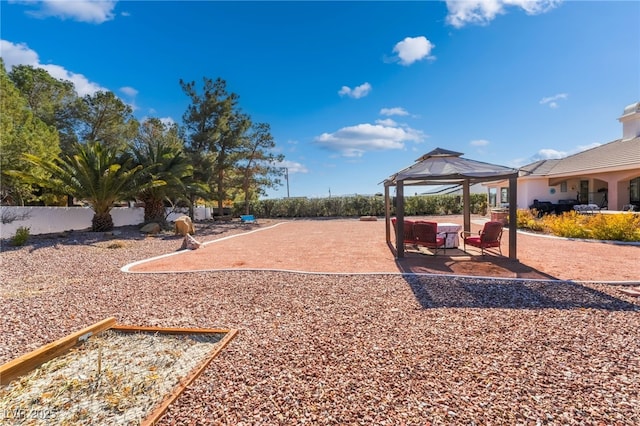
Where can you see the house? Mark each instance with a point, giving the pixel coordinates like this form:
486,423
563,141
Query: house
607,175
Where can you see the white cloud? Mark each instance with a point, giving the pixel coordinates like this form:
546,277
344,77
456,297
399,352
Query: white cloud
586,147
20,54
17,54
552,154
482,12
129,91
551,100
480,145
549,154
82,85
357,92
91,11
519,162
413,49
354,141
387,122
292,166
167,121
393,111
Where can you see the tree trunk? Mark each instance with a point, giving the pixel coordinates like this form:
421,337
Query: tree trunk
154,211
245,189
102,222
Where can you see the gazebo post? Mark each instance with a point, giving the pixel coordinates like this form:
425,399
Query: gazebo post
387,214
466,204
513,217
400,219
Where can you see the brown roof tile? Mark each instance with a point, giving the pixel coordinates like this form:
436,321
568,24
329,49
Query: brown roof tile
619,154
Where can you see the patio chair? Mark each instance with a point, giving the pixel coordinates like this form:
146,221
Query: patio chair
488,237
426,235
409,237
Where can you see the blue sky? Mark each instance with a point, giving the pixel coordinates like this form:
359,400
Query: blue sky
355,91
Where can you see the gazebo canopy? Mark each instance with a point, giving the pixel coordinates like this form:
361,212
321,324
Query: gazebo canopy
442,166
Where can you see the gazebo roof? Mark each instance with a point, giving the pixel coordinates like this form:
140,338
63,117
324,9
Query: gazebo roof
443,166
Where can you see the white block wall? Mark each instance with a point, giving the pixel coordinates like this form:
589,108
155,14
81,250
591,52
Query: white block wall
45,220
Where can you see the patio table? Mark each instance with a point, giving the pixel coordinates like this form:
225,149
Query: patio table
453,233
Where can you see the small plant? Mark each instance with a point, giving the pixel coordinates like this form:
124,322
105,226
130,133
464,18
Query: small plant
116,244
21,237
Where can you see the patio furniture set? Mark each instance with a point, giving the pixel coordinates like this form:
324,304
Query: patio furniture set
441,236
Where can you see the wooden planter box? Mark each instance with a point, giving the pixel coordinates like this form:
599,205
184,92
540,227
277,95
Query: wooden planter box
28,362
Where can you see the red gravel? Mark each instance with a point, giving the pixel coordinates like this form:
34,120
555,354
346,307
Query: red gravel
349,349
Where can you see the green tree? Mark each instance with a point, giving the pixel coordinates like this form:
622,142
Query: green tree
105,118
21,132
231,150
215,130
98,174
196,186
259,167
53,101
159,149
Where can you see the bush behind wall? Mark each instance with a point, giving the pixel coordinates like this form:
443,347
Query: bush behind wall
361,205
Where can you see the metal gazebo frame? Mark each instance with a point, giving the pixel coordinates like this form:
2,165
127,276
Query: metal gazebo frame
441,166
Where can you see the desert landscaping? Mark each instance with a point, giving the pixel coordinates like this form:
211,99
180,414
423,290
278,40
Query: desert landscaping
365,346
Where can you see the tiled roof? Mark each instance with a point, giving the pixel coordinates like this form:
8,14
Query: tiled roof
619,154
539,168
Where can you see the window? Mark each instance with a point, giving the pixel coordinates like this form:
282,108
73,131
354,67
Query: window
504,195
563,186
493,192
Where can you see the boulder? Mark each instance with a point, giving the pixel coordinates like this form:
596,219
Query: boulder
184,226
150,228
190,243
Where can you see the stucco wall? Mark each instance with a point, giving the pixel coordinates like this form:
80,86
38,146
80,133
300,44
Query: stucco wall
45,220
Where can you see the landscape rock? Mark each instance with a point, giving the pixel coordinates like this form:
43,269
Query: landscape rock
190,243
184,226
150,228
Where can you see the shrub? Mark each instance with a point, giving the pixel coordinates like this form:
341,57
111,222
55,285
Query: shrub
618,227
527,219
362,205
569,225
21,237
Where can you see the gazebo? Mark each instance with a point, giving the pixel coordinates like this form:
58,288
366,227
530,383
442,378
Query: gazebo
441,166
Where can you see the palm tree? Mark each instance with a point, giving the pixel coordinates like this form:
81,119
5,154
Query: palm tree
96,174
159,151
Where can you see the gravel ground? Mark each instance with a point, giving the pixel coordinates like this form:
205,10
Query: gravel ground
344,349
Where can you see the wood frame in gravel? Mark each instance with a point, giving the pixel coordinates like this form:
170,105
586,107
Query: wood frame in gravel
24,365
